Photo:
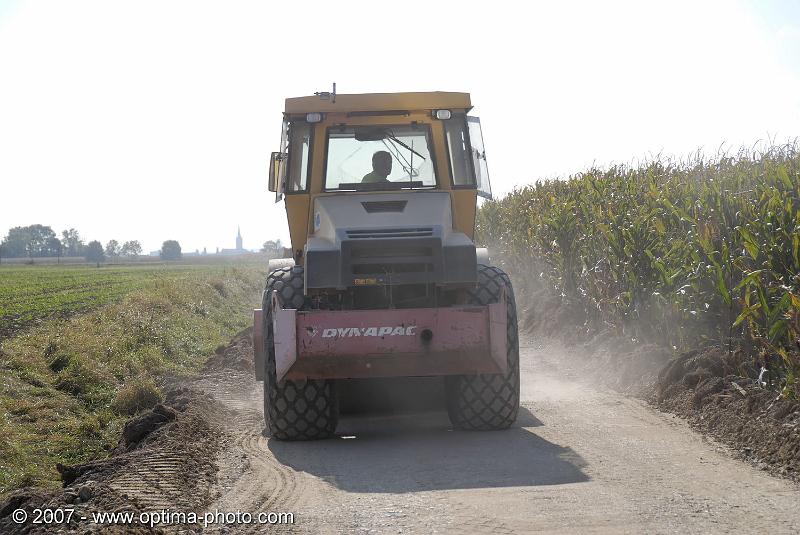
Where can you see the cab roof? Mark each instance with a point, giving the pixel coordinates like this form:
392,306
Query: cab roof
366,102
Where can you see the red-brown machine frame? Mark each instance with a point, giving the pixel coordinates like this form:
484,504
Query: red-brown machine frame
326,344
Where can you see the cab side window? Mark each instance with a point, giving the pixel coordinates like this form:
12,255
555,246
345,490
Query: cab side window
458,151
299,153
479,157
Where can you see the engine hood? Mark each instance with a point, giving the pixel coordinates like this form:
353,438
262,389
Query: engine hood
380,212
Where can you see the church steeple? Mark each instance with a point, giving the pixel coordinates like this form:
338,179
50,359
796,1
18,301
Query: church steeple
239,238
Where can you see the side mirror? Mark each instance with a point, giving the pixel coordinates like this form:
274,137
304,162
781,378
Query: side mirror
276,168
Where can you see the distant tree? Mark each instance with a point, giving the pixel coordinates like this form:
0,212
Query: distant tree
171,250
73,244
95,253
112,248
15,243
39,237
7,248
54,247
30,241
271,246
131,248
2,251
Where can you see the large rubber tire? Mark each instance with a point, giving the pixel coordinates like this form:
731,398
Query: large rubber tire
487,402
294,410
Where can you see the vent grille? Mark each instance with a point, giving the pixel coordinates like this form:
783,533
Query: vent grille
418,232
373,207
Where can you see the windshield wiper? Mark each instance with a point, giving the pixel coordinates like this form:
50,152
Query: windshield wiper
398,155
393,138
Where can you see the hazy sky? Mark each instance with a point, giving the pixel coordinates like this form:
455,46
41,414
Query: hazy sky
155,120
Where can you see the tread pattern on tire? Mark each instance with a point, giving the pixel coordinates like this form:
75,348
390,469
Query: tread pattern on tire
294,410
486,402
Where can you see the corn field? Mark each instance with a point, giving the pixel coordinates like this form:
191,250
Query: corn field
680,253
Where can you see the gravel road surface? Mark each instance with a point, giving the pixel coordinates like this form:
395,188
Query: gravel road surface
581,459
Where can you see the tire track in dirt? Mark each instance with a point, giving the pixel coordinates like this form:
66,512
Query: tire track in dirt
157,482
163,463
250,479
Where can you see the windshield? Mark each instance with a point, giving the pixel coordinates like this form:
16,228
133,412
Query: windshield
379,158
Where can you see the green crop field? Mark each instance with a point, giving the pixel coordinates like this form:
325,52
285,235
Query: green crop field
30,294
682,253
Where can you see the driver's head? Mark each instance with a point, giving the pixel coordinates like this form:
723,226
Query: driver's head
382,163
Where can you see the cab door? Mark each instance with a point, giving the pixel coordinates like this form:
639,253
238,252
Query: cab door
479,157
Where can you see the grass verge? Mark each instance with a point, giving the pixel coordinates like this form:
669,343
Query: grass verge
67,385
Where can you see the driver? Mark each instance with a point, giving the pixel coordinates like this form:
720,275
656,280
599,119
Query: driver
381,167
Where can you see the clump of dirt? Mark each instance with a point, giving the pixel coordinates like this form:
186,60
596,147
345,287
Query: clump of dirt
237,355
695,368
707,388
137,429
164,460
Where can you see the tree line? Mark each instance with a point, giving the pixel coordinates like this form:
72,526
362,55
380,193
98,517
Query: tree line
40,241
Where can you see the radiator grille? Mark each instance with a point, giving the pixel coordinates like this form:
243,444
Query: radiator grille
418,232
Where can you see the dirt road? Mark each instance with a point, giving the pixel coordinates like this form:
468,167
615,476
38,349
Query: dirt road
580,460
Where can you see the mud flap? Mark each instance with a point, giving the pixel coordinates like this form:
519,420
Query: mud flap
283,322
498,339
284,325
259,353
